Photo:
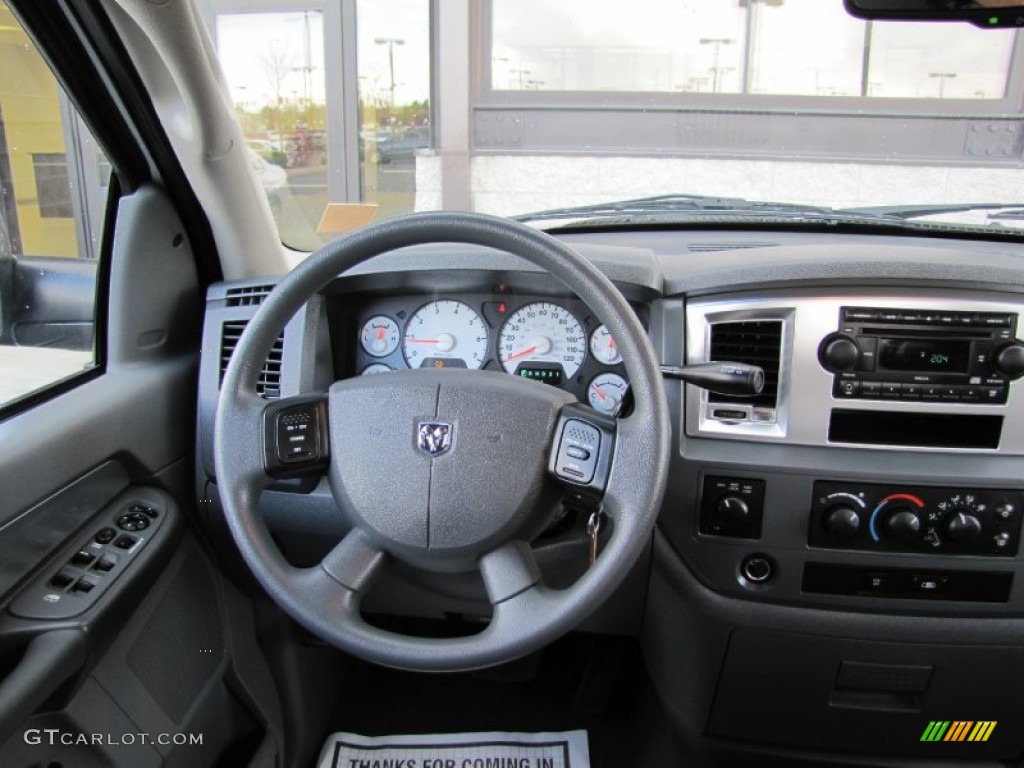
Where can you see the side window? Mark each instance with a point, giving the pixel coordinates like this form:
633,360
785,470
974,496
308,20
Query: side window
53,181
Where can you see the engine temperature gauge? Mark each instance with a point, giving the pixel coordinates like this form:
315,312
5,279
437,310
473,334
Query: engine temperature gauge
379,336
606,393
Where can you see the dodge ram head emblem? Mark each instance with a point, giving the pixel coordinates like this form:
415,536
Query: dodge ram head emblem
434,438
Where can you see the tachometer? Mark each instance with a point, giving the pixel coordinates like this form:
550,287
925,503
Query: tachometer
445,333
542,333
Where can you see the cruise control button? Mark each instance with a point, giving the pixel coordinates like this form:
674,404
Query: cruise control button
576,452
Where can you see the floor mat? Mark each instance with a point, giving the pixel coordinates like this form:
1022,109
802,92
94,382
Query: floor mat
495,749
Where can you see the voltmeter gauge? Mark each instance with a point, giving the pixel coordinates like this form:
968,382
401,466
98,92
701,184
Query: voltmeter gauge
379,336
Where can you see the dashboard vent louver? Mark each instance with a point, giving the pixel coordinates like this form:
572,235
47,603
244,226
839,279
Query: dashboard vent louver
713,247
249,296
755,342
269,384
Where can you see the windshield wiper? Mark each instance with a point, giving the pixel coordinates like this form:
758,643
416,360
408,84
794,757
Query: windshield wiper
905,212
675,204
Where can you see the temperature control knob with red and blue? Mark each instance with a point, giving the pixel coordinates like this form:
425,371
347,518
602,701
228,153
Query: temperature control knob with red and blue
932,520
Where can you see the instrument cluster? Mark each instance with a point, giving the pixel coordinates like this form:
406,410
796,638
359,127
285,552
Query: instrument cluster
554,341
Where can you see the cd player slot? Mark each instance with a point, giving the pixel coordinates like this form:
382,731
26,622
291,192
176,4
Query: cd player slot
921,332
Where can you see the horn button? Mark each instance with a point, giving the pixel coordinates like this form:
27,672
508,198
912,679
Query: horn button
441,466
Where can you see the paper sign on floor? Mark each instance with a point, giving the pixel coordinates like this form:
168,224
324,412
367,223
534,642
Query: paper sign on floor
566,749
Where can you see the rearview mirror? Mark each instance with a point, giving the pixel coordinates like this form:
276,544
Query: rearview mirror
981,13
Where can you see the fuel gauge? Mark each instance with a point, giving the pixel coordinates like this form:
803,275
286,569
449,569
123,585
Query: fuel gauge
606,393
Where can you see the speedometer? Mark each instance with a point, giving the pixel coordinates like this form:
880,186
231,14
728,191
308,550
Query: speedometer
445,334
542,333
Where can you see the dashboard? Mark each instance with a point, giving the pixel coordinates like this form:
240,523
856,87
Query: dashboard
851,535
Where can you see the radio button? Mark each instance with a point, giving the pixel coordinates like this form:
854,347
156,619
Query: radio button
868,347
931,392
891,389
970,394
992,395
910,391
950,393
870,389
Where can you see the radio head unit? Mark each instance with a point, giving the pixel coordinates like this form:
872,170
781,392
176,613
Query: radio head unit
904,354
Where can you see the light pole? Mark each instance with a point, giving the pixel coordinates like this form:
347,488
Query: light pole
942,77
716,70
390,42
520,72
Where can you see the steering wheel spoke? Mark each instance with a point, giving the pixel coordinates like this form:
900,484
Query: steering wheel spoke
295,436
355,562
508,571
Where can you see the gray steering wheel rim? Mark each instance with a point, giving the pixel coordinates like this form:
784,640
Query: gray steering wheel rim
537,616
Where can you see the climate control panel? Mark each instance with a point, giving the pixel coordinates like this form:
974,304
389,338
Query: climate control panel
933,520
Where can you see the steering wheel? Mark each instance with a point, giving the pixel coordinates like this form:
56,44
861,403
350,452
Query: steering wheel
471,456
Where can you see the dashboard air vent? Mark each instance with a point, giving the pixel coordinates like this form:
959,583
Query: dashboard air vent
249,296
756,342
269,384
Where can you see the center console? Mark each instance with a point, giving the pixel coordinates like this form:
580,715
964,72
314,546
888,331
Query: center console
880,468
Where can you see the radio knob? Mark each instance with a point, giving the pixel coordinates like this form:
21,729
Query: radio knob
839,353
733,508
1009,360
904,525
841,522
962,527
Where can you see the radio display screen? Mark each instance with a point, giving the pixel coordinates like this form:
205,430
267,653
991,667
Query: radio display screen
939,355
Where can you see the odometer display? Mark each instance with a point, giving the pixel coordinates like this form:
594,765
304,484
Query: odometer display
542,332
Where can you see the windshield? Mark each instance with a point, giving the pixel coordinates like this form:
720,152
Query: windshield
360,111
